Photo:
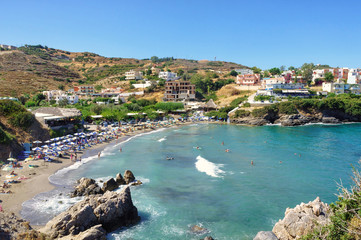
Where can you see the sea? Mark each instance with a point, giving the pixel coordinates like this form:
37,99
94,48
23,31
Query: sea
190,179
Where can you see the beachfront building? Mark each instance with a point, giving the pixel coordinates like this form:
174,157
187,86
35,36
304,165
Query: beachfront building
340,88
354,76
59,95
167,76
244,71
84,90
133,75
283,89
58,118
248,79
178,90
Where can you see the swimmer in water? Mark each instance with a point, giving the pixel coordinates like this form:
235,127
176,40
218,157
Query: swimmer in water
227,150
222,143
99,154
252,162
197,147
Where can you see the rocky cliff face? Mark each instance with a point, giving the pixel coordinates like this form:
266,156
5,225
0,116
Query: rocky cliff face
299,221
111,211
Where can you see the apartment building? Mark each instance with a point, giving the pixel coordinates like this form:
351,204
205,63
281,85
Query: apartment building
84,90
179,90
248,79
167,75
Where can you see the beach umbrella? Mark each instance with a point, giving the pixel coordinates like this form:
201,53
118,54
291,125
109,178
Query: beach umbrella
45,146
72,143
48,141
76,134
69,135
37,142
37,149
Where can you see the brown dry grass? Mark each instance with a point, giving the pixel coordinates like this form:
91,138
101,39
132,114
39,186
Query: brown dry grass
229,93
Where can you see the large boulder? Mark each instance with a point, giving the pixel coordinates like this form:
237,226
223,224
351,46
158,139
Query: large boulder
265,236
110,185
112,210
86,187
119,179
128,176
302,219
96,232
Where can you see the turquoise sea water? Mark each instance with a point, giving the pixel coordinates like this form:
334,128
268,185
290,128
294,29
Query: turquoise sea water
220,191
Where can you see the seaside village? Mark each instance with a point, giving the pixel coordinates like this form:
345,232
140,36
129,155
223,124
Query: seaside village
72,130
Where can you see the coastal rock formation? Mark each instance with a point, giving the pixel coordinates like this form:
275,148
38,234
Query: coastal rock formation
250,121
302,219
295,120
96,232
11,226
199,230
128,176
265,236
111,210
119,179
330,120
110,185
208,238
86,187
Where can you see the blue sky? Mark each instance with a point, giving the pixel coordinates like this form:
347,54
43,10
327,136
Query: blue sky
263,33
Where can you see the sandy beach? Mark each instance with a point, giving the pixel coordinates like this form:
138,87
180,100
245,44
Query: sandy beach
36,179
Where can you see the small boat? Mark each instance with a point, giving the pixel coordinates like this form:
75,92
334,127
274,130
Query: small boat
170,158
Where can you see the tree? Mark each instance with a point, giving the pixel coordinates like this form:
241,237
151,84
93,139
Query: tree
180,72
154,59
307,72
148,72
275,71
63,102
291,68
38,98
61,87
256,69
98,87
266,73
283,68
233,73
329,77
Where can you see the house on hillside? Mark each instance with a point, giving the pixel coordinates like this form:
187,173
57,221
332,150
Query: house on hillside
248,79
58,118
167,76
244,71
84,90
341,87
59,95
133,75
9,47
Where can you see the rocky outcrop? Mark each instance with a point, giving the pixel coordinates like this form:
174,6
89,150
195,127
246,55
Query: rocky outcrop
110,185
208,238
119,179
265,236
96,232
250,121
111,210
12,227
330,120
302,219
295,120
199,230
128,177
86,187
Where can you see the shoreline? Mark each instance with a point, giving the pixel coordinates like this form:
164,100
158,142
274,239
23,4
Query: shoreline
38,178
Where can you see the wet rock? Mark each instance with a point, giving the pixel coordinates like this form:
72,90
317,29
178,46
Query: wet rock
265,236
119,179
111,210
96,232
136,183
198,230
330,120
208,238
85,187
128,177
110,185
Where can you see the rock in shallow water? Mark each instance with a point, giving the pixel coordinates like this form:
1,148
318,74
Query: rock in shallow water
128,176
112,210
265,236
110,185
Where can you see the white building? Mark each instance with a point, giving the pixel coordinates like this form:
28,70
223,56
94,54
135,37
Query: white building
339,88
244,71
270,81
167,75
133,75
354,76
59,95
274,87
142,85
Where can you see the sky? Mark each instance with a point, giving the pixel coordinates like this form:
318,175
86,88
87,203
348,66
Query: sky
262,33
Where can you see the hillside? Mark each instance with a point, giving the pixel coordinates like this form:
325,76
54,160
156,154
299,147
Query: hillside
21,73
17,126
31,69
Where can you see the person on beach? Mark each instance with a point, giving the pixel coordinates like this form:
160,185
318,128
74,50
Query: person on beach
71,157
79,159
99,154
75,157
120,149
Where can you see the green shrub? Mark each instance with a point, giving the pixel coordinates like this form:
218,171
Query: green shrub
246,105
23,120
242,113
5,137
287,108
169,106
8,107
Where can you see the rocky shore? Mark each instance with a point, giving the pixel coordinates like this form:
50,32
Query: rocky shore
296,119
298,221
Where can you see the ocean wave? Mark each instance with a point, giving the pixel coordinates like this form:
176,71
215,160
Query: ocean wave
139,135
162,139
211,169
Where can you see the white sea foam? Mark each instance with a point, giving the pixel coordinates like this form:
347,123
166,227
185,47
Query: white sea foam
162,139
211,169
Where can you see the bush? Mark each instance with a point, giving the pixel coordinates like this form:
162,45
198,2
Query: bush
246,105
287,108
242,113
5,137
169,106
8,107
23,120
